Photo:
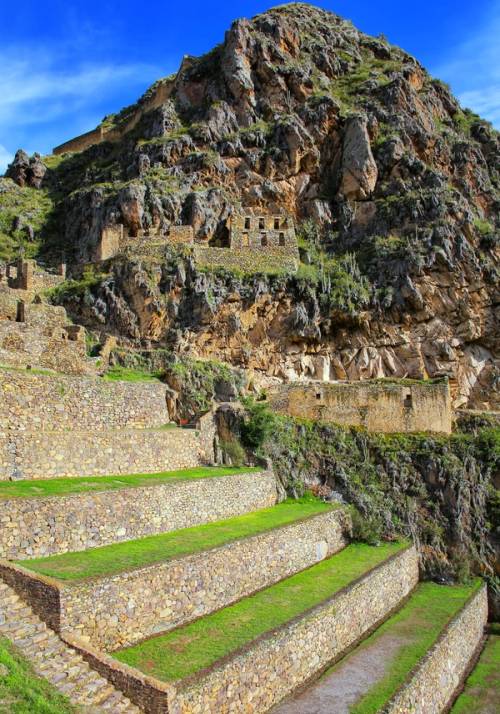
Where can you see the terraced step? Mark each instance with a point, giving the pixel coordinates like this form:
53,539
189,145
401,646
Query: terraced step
46,517
122,593
59,664
481,693
68,454
248,656
406,664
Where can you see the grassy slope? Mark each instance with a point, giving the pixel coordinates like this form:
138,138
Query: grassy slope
200,643
22,692
419,624
154,549
126,374
482,689
64,486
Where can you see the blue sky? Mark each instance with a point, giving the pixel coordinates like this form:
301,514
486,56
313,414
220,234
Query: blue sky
64,65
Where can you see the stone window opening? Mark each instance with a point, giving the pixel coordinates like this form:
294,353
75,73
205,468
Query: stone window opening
263,240
262,224
281,239
247,224
408,401
318,395
276,224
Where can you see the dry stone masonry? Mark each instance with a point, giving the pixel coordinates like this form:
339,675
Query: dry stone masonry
118,610
33,527
376,406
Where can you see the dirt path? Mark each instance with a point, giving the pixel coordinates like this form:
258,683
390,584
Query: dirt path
338,690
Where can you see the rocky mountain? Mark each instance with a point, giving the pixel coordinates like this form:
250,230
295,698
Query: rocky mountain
395,190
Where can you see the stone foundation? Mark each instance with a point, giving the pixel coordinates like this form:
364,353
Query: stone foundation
115,611
42,455
34,527
433,684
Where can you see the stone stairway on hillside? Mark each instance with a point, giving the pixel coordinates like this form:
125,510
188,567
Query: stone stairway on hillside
52,659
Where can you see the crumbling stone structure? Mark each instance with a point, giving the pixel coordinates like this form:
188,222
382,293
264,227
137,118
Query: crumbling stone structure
377,406
261,232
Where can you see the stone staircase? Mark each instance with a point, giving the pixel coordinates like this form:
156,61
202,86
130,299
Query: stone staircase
52,659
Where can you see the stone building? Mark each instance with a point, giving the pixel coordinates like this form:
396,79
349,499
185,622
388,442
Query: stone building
261,231
376,406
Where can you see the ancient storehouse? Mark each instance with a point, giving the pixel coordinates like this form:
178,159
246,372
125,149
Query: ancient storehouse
377,406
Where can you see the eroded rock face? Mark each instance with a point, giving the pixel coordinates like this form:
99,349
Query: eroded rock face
298,110
359,170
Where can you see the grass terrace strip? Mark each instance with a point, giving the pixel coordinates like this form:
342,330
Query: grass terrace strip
418,625
41,488
199,644
481,693
121,557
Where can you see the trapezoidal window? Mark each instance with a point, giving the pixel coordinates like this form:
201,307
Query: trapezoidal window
262,224
244,240
408,402
263,239
247,224
276,224
281,239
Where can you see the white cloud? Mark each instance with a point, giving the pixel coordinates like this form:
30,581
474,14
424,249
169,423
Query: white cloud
52,92
473,68
55,94
5,159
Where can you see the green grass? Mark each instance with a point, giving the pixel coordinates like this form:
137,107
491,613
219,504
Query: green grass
418,624
116,558
199,644
65,486
126,374
21,691
482,689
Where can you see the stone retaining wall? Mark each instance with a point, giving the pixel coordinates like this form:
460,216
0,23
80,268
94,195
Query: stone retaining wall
34,527
42,455
44,402
118,610
434,682
269,668
262,674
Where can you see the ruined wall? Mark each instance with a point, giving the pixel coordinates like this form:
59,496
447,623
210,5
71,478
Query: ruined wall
58,454
433,684
110,242
376,406
118,610
180,234
33,527
112,133
262,233
58,402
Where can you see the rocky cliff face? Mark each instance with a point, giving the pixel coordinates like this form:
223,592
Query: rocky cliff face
395,189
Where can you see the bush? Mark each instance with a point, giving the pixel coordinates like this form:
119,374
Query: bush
366,529
258,424
233,452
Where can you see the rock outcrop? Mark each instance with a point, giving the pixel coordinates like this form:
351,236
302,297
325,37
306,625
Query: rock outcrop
298,110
